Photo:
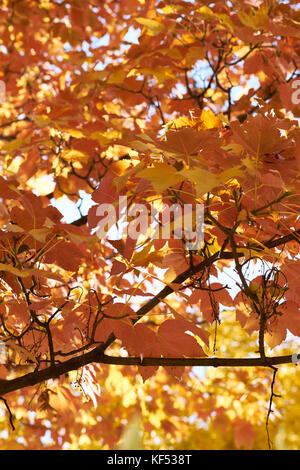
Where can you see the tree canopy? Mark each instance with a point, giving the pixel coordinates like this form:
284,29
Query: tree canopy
114,332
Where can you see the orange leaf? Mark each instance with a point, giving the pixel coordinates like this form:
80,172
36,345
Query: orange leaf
244,434
176,342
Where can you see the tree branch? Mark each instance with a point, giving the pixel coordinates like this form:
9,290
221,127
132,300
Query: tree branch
97,356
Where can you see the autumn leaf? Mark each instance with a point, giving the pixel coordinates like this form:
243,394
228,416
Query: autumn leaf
161,176
171,333
71,155
204,180
153,27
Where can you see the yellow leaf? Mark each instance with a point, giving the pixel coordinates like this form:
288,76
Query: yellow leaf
233,148
162,74
161,176
121,180
15,165
46,4
250,164
224,19
208,120
13,270
41,121
169,9
104,138
153,27
240,50
182,121
75,133
174,53
62,80
143,258
256,19
72,154
214,246
206,12
194,53
230,173
204,180
116,77
112,108
11,146
133,72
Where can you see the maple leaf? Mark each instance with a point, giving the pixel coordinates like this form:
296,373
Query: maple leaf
171,333
161,176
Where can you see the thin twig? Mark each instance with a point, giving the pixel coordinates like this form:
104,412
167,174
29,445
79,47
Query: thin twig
9,412
272,395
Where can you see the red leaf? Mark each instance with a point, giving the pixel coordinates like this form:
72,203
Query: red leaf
117,268
175,342
67,255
